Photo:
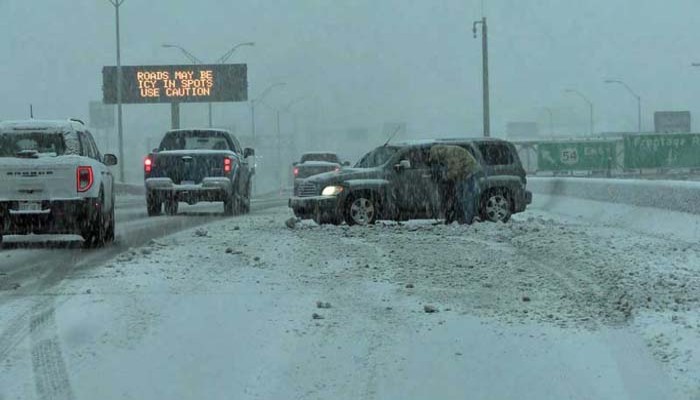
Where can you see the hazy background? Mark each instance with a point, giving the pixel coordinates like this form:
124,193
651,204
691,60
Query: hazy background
360,64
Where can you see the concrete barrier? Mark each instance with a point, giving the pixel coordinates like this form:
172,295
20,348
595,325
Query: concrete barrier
129,188
668,195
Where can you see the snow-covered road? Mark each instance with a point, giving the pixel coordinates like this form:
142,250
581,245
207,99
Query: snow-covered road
547,306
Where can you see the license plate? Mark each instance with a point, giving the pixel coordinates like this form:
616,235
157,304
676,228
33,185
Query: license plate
30,206
188,182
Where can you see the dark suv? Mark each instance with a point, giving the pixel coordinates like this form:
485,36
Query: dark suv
395,182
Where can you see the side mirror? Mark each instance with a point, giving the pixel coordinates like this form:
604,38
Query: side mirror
155,150
248,152
110,160
403,164
346,163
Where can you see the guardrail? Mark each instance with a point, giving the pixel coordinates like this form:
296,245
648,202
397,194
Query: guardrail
129,188
669,195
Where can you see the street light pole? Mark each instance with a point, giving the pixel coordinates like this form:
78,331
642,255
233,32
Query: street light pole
636,96
551,120
120,127
195,60
253,101
590,106
484,73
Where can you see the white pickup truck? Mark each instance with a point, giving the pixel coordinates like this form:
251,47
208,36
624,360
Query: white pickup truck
53,180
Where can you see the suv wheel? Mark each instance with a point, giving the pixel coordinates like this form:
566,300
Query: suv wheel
361,210
496,206
109,233
95,231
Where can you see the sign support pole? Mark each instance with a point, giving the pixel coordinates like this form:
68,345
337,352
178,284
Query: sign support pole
175,115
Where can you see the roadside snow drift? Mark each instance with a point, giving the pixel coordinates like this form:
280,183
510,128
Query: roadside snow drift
248,308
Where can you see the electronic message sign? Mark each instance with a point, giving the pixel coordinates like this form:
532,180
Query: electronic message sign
199,83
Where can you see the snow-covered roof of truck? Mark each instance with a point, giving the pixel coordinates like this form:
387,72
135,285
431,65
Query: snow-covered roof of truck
41,125
199,130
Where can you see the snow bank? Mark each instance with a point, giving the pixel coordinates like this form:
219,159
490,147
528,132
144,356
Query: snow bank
669,195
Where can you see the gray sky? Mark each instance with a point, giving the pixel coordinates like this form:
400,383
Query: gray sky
364,62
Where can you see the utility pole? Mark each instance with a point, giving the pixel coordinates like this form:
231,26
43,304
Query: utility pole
485,72
120,126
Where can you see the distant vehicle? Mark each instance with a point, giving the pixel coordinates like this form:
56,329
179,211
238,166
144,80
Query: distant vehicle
194,165
395,182
316,163
54,180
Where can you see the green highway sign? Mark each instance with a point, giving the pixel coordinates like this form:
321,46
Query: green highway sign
576,156
662,151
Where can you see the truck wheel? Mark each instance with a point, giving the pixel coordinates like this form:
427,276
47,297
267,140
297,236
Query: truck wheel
244,204
95,231
496,206
153,205
171,206
232,205
361,209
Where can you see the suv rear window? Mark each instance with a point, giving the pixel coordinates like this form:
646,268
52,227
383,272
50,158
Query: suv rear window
41,142
496,153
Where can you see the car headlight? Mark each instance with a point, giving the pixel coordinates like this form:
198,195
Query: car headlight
331,190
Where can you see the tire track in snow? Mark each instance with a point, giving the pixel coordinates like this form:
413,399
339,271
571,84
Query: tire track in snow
50,373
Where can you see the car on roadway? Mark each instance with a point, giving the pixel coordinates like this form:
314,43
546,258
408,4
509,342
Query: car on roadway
395,182
195,165
54,180
314,163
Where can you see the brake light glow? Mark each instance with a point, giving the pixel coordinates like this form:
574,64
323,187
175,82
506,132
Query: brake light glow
296,171
84,178
147,164
227,165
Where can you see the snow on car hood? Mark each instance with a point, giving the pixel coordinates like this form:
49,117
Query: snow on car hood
345,174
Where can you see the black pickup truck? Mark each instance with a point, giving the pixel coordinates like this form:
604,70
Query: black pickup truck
193,165
395,182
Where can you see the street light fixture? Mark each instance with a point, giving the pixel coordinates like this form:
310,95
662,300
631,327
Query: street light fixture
639,100
229,53
120,127
590,106
196,60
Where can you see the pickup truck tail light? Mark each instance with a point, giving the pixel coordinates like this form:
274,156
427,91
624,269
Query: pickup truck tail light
84,178
227,165
147,165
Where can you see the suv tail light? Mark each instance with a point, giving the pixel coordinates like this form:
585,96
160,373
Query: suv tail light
147,164
84,178
296,171
227,165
